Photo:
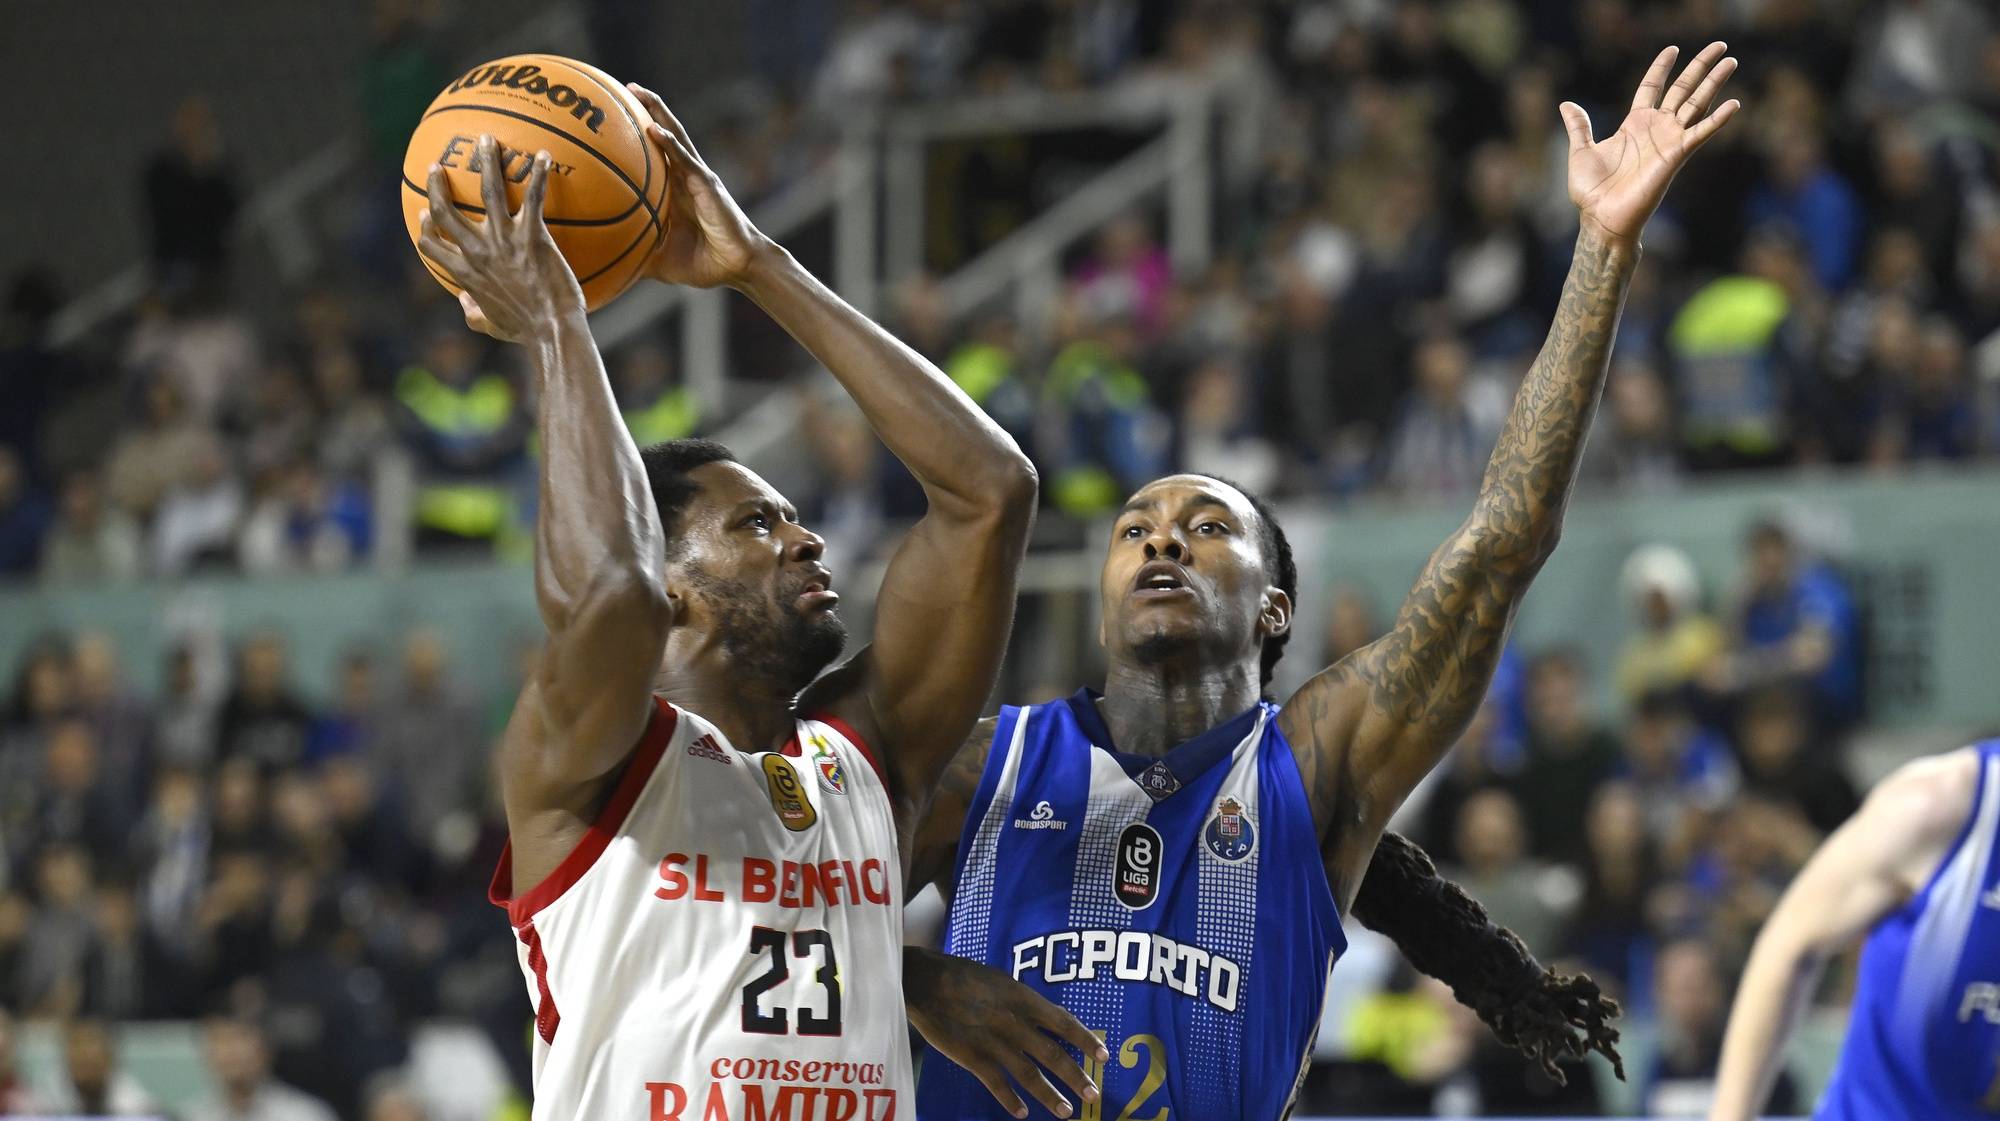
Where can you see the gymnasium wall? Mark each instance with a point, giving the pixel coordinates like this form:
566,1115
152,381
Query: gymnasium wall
1920,548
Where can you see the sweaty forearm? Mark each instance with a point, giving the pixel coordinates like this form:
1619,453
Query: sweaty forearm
1769,1003
1533,467
596,518
926,421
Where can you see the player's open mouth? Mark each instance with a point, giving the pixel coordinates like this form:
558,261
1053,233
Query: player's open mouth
1160,579
817,594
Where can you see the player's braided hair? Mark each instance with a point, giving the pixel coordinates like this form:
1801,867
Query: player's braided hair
1445,933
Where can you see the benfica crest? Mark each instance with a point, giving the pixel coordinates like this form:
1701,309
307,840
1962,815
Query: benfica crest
1229,833
828,765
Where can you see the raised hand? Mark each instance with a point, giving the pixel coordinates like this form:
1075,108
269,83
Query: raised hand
996,1027
514,278
709,240
1618,182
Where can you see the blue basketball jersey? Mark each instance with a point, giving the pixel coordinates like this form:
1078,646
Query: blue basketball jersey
1923,1040
1176,905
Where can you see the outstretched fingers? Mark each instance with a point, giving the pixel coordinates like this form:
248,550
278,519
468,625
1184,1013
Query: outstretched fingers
1697,104
1684,86
1655,82
1710,125
1576,122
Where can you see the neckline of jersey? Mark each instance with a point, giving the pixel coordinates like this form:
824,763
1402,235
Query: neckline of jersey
1186,761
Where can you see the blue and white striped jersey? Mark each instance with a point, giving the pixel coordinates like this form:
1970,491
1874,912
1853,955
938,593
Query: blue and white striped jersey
1177,905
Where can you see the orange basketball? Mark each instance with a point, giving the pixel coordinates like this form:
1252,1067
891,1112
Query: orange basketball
607,199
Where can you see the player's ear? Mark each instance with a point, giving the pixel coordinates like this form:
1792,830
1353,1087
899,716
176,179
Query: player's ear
1275,618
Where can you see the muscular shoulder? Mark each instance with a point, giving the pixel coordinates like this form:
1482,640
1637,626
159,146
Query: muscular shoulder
1921,808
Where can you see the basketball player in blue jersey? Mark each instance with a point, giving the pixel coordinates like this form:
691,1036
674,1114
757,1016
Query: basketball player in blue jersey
1916,871
1170,861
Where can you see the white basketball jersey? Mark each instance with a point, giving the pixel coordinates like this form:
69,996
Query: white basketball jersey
726,941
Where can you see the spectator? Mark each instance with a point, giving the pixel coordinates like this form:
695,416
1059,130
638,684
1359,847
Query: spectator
1350,623
355,426
91,1084
184,727
431,749
655,405
164,451
1126,277
1611,928
1681,770
1928,413
466,425
125,976
58,934
239,1058
350,726
191,198
1218,434
1110,436
987,367
1796,623
304,521
1734,347
1676,642
197,519
1568,755
851,506
121,719
233,923
24,517
170,846
1773,734
1802,191
1528,897
89,543
263,720
1694,1006
1494,271
15,1098
1641,451
75,805
1447,427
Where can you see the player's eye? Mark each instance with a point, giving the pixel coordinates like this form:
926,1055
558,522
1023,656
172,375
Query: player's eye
760,521
1132,532
1211,528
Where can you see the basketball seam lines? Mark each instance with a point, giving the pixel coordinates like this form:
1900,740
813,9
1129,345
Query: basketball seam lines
472,208
618,97
651,210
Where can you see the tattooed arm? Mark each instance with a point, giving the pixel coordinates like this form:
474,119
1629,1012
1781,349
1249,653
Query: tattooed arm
1367,729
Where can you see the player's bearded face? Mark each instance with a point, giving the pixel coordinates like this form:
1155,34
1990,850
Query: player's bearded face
766,635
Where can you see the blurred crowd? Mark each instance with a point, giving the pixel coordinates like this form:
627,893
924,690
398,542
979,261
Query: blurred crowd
1647,849
309,881
1822,287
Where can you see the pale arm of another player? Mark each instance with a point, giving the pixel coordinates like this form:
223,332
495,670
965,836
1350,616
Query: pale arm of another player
1869,867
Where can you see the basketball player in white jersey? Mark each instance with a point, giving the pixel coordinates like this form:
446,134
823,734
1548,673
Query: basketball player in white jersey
704,864
1914,870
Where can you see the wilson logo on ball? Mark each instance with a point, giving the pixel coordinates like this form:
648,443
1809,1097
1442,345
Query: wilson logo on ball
528,80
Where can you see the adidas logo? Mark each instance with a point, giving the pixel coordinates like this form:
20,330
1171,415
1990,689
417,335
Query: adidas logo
705,747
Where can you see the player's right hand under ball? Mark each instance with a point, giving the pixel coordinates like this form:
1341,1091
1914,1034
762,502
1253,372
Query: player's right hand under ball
514,278
996,1027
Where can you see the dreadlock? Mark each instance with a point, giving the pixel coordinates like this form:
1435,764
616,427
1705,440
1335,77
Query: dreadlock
1445,933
